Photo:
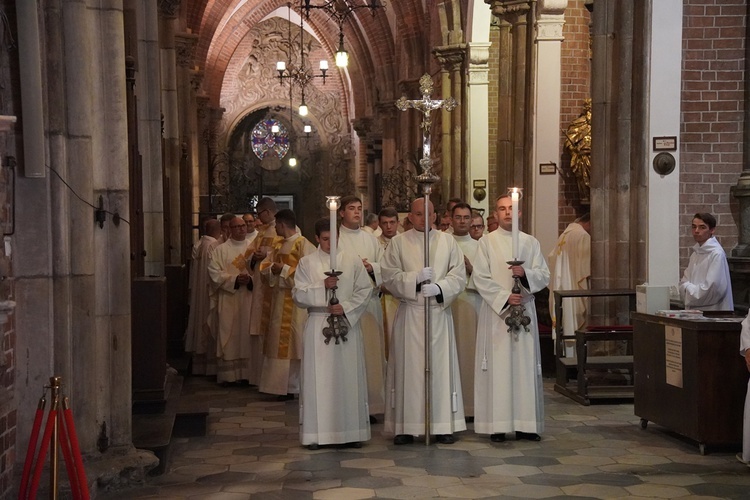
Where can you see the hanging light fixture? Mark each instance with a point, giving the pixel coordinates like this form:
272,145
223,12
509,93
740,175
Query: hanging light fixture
342,56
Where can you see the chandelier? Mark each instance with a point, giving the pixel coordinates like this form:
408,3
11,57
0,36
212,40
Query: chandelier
339,11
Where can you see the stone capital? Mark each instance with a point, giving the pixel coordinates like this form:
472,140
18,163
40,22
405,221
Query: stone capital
479,53
185,49
551,7
169,8
509,10
450,57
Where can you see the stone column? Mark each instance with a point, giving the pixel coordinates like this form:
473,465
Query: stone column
546,137
171,133
203,160
476,157
148,92
451,60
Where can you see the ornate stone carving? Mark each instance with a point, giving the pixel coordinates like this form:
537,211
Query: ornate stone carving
551,7
185,49
169,8
451,57
509,9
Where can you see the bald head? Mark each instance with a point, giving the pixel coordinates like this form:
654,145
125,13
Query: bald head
417,214
212,228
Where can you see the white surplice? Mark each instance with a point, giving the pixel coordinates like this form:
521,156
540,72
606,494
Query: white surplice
199,339
233,349
333,396
282,346
388,302
508,374
465,311
405,402
364,245
706,284
744,346
570,268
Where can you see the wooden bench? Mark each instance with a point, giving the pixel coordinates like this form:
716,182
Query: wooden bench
581,366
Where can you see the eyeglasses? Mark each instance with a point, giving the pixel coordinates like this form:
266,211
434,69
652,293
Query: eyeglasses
476,226
235,227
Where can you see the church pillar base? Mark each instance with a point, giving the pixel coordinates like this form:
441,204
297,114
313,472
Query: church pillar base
739,273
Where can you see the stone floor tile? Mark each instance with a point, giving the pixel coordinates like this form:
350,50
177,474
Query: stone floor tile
222,495
367,463
405,492
584,460
601,452
231,459
431,481
236,432
198,469
371,482
720,490
465,491
569,469
344,494
256,467
312,485
531,491
535,461
497,452
512,470
550,480
673,479
594,490
573,418
399,472
253,487
239,419
641,459
657,490
608,479
491,480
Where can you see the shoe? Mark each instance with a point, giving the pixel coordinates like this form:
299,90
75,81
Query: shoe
313,447
285,397
355,444
403,439
373,420
528,436
741,460
445,438
497,438
469,420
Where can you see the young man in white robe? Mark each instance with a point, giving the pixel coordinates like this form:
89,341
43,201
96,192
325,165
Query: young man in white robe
364,245
570,269
199,339
706,284
333,396
388,222
466,306
282,347
508,393
232,286
439,283
744,455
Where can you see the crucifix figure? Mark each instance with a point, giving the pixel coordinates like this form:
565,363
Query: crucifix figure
426,179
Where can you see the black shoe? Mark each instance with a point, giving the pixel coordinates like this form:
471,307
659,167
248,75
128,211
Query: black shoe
355,444
528,436
313,447
403,439
469,420
373,420
285,397
497,438
445,438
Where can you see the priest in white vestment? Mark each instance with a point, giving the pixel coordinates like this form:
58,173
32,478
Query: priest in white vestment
199,339
252,231
406,276
508,393
258,251
364,245
744,455
388,222
466,306
570,269
333,396
232,286
283,322
706,284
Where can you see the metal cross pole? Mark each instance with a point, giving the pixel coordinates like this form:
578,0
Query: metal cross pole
426,179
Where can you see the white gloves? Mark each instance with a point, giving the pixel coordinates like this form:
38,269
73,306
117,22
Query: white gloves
430,290
426,274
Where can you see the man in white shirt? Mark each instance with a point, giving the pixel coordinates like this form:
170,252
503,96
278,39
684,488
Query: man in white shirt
706,284
372,226
744,455
252,232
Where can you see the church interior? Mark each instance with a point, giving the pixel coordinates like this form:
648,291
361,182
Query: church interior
132,121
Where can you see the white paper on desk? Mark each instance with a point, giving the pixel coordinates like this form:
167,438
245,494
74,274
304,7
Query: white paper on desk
673,355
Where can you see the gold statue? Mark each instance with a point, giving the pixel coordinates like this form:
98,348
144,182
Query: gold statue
578,142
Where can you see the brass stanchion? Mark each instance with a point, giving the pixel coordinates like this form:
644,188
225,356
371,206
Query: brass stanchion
55,384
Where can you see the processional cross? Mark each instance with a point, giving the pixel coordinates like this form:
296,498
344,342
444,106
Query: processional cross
426,179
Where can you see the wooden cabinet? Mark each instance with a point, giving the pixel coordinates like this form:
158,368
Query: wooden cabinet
701,395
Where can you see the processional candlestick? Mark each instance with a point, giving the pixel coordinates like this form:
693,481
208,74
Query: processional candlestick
426,179
338,326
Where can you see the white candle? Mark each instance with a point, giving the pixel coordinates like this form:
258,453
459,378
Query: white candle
333,239
514,227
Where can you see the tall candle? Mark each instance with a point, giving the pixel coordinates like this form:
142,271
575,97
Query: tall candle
332,253
514,213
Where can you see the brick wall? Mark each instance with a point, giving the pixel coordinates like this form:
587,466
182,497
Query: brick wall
575,87
712,116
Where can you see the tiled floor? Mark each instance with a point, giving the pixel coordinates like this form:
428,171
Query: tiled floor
252,451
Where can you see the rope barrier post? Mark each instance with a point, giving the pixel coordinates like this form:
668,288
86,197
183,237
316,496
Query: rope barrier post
31,451
55,383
